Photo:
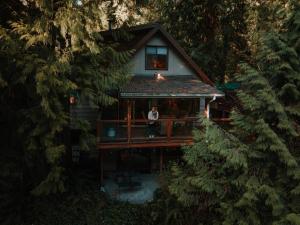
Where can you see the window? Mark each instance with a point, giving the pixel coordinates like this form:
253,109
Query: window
156,58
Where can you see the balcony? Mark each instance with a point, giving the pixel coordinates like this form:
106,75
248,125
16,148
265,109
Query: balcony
169,132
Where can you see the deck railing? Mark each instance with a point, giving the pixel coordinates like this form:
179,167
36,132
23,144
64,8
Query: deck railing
138,130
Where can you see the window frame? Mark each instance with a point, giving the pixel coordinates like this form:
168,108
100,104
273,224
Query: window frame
167,55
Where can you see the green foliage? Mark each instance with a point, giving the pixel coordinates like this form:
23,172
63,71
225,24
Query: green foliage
127,214
213,171
250,174
82,209
83,205
165,209
49,50
215,40
89,208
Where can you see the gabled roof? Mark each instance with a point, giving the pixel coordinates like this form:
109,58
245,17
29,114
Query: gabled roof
180,86
143,33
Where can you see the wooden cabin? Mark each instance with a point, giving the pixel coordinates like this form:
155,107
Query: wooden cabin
163,75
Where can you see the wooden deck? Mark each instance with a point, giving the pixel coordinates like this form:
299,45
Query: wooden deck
121,134
169,132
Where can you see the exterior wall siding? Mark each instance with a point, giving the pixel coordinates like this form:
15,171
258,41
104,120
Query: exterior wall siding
176,66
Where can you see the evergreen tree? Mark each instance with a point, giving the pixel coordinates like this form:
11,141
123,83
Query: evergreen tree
212,32
251,174
48,50
212,173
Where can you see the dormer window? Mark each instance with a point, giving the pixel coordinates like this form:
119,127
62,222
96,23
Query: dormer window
156,58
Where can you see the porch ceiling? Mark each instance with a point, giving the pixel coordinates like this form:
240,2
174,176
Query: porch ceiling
168,87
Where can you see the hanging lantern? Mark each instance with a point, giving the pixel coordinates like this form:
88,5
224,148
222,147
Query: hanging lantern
74,97
72,100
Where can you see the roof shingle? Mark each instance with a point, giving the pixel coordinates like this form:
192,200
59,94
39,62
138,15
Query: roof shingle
170,86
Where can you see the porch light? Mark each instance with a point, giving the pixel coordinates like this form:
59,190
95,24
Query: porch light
72,100
74,97
158,76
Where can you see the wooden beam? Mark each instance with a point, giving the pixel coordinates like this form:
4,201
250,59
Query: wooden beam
169,129
161,161
98,137
128,121
146,120
177,143
101,166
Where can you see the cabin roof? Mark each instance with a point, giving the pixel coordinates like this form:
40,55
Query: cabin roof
168,87
143,33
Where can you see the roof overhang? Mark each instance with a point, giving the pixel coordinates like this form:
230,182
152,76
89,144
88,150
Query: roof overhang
170,87
166,95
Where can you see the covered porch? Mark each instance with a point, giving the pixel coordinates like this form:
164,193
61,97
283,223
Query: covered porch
179,99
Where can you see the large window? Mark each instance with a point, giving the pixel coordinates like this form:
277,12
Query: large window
156,58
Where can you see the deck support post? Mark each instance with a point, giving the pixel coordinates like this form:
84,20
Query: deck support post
129,120
169,129
98,131
161,160
101,166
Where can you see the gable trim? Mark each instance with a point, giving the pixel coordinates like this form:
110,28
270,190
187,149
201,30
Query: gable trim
157,28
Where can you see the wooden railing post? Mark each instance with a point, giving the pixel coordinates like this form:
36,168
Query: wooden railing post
169,129
128,121
101,166
161,160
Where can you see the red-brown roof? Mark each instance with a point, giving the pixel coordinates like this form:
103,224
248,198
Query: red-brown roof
180,86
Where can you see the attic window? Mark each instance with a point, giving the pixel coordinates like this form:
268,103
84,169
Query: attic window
156,58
